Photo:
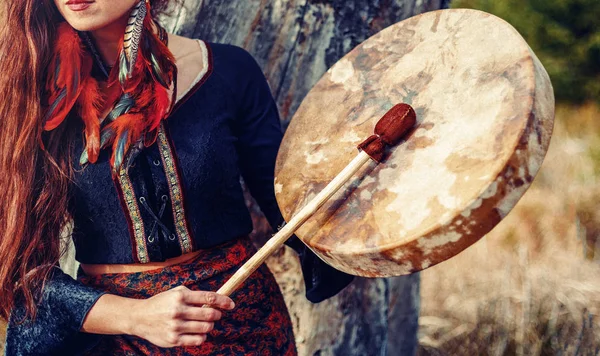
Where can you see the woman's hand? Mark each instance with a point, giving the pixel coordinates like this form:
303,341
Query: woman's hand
176,317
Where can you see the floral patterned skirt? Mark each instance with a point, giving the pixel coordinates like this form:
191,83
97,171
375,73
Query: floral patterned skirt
258,325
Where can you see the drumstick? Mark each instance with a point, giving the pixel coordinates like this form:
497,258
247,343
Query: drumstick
389,130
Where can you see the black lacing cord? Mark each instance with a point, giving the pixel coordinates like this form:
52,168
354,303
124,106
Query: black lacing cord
165,229
160,214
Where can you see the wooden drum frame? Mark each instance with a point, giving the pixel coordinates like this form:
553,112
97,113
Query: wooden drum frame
485,108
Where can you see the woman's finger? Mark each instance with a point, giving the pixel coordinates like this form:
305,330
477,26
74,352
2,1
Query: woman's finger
191,340
201,314
196,327
211,298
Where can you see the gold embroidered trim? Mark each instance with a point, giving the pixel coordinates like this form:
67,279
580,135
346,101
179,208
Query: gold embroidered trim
174,190
134,213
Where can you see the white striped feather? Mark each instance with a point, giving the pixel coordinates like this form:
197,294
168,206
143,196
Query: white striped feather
133,33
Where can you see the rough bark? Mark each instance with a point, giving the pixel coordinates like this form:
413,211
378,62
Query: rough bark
295,42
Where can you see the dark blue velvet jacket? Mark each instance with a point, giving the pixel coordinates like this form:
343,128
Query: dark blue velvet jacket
182,194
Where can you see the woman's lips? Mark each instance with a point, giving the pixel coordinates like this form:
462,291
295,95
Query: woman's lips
79,5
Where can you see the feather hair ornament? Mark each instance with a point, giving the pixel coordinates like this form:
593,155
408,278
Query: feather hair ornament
137,88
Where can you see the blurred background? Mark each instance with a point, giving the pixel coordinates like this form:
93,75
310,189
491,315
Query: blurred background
532,286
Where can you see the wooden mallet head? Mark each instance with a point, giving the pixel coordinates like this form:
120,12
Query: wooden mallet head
389,130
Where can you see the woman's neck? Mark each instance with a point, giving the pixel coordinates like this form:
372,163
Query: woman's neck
107,39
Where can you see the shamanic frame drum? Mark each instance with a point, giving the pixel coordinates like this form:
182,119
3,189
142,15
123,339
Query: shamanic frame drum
485,109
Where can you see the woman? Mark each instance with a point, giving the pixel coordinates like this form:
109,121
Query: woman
139,138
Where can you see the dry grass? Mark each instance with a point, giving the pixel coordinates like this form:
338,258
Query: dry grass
530,287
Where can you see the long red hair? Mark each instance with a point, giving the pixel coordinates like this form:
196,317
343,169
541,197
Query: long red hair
34,183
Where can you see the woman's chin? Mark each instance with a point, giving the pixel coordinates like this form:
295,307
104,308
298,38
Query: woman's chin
86,24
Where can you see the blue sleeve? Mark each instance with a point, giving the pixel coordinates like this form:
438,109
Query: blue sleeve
259,137
60,313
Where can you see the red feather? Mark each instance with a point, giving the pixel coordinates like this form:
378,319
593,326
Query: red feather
90,102
138,75
165,58
112,94
67,66
134,124
144,96
150,138
160,105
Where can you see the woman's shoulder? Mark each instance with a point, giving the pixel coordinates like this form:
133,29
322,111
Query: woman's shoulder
223,54
232,65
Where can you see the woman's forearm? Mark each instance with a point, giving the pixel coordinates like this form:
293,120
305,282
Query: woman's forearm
111,315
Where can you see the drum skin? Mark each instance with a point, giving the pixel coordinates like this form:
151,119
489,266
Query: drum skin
485,111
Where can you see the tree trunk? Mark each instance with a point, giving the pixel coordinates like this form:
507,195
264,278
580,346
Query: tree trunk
295,42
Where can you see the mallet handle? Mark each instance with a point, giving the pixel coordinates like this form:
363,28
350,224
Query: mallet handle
288,230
